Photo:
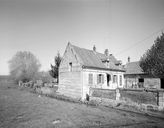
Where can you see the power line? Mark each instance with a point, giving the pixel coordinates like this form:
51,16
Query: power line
139,42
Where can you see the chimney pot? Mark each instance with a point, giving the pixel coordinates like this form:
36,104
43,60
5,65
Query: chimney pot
94,48
128,59
106,52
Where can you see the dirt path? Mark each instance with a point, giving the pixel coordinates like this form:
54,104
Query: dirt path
21,109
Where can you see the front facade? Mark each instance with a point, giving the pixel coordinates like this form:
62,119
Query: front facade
81,69
136,78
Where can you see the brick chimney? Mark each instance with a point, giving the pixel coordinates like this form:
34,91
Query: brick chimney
106,52
94,48
128,59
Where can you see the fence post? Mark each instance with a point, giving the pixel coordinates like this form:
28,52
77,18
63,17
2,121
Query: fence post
117,94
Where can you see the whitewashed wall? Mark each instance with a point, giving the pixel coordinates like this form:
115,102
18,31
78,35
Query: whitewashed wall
86,86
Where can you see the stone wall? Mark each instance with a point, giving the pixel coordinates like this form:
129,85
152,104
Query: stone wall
139,96
103,93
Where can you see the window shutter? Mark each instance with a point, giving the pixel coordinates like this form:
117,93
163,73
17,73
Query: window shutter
90,79
120,80
103,79
116,79
97,79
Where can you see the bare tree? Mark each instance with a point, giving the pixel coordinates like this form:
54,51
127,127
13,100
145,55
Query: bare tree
24,66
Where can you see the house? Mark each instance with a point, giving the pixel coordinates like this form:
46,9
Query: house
136,78
81,69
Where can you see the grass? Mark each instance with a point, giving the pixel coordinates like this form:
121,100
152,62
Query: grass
22,109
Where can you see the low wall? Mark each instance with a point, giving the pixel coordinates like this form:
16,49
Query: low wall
139,96
103,93
46,90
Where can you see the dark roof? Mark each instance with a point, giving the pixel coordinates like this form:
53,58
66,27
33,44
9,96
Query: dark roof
93,59
133,68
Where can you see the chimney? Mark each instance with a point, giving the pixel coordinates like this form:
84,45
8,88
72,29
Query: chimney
106,52
94,48
128,59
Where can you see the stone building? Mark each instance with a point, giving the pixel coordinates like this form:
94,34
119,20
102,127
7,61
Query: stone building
81,69
136,78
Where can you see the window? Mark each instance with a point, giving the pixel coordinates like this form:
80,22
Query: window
115,79
70,66
162,83
90,79
141,80
120,80
100,78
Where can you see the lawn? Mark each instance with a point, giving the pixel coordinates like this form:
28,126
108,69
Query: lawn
22,109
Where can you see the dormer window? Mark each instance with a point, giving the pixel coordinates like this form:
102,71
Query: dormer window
70,66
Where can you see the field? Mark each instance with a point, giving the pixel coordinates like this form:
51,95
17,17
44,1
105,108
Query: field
22,109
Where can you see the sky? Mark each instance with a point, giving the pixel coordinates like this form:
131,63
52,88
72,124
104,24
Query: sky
44,27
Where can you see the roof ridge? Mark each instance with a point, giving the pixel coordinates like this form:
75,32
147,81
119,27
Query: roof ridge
134,61
86,49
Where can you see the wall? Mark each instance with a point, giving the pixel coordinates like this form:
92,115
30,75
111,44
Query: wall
148,82
103,93
86,86
152,83
70,83
139,96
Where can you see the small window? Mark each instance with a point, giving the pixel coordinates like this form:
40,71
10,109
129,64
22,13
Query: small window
100,78
70,66
141,80
115,79
90,79
120,80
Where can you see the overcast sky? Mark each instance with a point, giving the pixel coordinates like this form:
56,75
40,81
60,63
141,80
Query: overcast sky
125,27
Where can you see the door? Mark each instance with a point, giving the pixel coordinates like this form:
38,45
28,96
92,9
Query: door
162,83
108,79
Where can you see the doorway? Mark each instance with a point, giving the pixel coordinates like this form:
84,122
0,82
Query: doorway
141,82
108,79
162,83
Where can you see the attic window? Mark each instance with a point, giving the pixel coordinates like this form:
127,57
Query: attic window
70,66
